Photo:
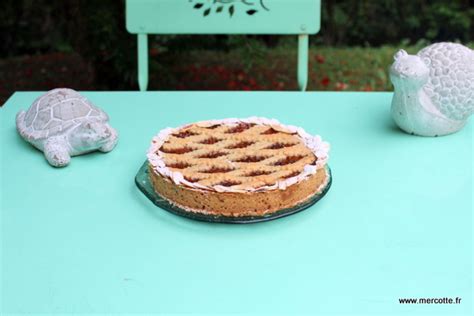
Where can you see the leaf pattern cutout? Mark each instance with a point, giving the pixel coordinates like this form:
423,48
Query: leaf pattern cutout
250,7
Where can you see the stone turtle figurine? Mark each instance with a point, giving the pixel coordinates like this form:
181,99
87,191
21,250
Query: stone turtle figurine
434,89
62,123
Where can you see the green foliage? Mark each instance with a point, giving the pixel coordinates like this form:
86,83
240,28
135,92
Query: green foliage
36,26
29,27
374,23
96,30
445,19
104,41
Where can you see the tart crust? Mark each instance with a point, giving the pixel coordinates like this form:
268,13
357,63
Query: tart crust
238,203
237,167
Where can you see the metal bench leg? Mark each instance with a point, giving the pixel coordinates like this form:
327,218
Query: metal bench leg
303,45
142,61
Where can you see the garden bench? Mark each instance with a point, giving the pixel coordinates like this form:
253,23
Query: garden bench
298,17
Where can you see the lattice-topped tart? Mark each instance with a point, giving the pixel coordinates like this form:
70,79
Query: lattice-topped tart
237,167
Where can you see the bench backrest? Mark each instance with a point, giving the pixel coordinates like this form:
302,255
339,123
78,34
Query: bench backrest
301,17
223,16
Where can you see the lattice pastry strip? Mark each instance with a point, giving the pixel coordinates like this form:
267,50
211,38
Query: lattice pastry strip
238,156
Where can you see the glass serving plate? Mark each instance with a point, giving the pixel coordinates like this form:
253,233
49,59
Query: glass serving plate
142,180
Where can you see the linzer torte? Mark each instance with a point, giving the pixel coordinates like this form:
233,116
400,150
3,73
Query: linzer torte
237,167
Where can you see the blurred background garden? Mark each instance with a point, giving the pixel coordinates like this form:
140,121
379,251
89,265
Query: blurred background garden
83,44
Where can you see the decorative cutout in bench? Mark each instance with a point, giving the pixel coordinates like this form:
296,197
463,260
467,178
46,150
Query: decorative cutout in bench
219,6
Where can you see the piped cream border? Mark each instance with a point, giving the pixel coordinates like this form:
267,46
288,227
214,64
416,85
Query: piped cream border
319,147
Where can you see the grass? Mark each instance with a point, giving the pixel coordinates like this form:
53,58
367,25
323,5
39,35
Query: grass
260,68
248,66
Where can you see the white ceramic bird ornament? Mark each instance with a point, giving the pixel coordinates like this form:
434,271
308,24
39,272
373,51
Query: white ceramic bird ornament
62,123
434,89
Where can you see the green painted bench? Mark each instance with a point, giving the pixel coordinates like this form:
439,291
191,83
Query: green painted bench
298,17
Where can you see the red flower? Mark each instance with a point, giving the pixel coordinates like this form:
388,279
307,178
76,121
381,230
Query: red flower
325,81
319,58
231,85
341,86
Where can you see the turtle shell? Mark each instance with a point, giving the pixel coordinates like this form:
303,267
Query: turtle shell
58,111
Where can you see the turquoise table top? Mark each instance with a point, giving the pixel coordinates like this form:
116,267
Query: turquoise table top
397,222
